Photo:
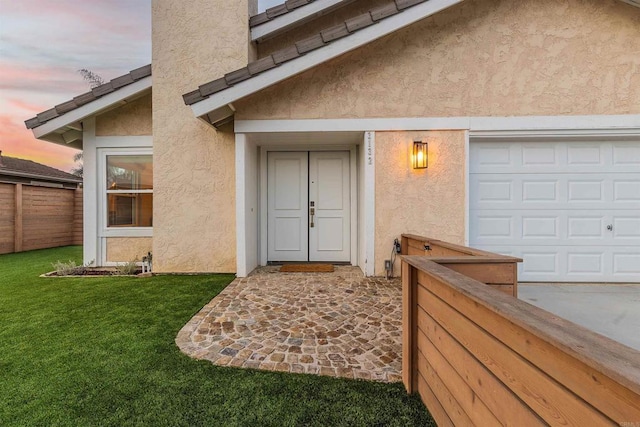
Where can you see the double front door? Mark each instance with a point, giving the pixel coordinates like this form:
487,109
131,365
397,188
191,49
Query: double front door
308,216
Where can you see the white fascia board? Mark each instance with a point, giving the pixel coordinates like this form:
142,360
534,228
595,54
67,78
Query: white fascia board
477,125
92,108
630,121
321,55
294,18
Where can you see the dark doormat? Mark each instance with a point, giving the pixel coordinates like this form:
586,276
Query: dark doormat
306,268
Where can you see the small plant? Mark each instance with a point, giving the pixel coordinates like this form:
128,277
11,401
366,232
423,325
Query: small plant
127,268
69,268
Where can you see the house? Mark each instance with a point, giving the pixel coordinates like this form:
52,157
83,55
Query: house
40,206
288,135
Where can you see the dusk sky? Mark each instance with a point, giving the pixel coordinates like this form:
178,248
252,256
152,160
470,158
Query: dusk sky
43,44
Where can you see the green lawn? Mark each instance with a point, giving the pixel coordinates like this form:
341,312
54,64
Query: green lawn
100,351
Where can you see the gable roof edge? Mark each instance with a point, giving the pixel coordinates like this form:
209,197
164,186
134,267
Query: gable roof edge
298,15
39,176
316,57
94,107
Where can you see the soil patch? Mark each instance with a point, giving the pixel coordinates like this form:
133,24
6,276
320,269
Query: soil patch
94,272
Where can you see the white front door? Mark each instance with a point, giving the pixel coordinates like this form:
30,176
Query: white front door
329,198
308,200
288,199
570,209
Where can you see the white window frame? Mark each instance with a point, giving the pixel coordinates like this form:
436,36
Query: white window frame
106,231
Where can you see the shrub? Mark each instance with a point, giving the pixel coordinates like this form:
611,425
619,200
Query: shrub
69,268
127,268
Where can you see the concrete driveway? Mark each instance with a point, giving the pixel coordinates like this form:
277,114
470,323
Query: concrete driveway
337,324
612,310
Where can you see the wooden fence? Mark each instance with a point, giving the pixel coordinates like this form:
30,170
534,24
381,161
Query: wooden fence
34,217
481,357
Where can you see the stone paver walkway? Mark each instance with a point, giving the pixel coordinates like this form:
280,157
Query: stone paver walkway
338,324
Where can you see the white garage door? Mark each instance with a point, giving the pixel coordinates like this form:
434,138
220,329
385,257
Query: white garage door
571,210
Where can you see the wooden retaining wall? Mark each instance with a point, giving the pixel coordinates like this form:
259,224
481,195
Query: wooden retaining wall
481,357
497,271
34,217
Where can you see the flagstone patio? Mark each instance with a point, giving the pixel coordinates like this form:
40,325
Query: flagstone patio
339,324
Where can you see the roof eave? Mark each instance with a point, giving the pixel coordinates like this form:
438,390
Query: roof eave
39,176
56,129
316,57
295,18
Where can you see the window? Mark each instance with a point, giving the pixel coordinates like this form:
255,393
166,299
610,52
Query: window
129,180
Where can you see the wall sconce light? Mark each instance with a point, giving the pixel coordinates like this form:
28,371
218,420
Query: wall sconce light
420,155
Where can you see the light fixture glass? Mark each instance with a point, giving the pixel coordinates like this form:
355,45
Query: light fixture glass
420,155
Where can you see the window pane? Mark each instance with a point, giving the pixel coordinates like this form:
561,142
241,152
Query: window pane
130,210
129,172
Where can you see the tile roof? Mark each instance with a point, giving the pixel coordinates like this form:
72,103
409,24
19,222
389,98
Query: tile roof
15,166
298,49
85,98
274,12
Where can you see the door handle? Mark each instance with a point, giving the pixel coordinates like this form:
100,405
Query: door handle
610,227
312,212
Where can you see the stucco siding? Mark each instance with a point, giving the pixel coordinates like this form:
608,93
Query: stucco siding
194,180
131,119
428,202
125,249
480,58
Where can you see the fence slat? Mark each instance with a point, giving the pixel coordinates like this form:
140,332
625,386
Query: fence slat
33,217
17,245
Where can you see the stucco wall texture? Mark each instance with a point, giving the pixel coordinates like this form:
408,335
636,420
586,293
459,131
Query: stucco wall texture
132,119
194,187
428,202
480,58
125,249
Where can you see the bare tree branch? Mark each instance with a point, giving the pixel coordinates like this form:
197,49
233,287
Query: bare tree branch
92,78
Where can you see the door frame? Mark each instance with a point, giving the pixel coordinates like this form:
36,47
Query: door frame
353,183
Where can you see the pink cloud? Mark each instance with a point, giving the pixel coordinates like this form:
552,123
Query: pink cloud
17,141
28,107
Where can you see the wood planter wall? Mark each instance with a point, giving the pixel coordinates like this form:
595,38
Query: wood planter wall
481,357
34,217
498,271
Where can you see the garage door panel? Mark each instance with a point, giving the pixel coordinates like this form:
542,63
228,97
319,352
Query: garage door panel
538,263
590,226
585,263
556,191
573,264
627,228
540,227
489,156
581,190
493,191
493,226
540,155
626,190
562,157
626,263
545,227
540,191
625,154
571,210
587,154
